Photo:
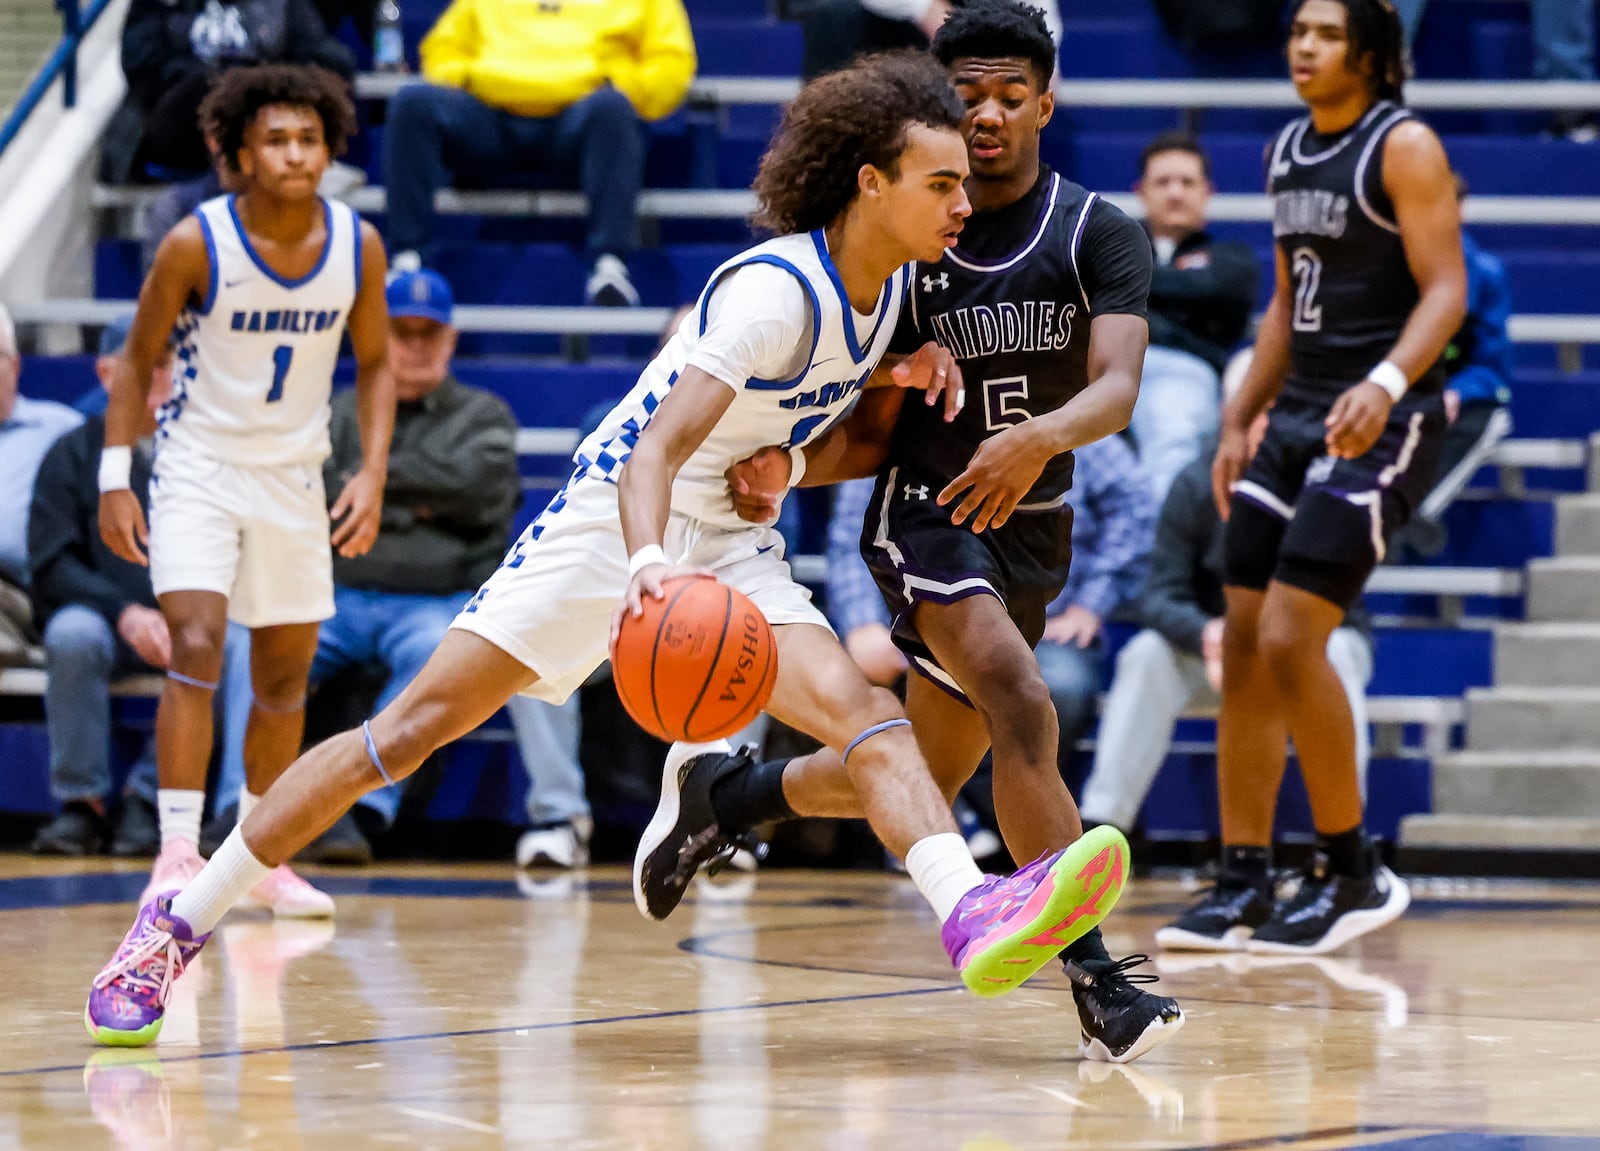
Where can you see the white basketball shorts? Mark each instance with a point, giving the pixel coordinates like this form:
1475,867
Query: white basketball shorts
549,604
258,535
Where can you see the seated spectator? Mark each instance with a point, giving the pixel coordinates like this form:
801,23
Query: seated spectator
1177,659
1477,394
448,502
835,32
1563,49
1201,293
1112,519
172,50
100,622
521,88
27,429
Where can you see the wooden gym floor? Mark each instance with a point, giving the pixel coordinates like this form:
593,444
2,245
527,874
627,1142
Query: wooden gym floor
458,1008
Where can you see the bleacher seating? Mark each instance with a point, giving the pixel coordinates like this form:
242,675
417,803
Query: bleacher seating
506,251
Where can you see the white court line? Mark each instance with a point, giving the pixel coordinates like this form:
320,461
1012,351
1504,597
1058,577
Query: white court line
452,1120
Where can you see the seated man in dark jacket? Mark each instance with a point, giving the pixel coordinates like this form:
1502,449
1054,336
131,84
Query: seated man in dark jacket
1201,293
452,490
1177,659
100,621
172,50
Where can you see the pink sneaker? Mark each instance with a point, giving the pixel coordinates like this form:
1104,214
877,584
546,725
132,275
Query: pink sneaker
177,864
129,997
288,896
1008,927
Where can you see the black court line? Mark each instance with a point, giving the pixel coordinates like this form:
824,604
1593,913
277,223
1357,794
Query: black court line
470,1033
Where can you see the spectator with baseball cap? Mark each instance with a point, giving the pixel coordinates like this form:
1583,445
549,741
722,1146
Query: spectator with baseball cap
452,492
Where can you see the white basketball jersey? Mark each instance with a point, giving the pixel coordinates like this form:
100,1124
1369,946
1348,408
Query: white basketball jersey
254,368
785,412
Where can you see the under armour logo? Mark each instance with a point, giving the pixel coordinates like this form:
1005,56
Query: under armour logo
916,493
1280,169
941,281
1319,471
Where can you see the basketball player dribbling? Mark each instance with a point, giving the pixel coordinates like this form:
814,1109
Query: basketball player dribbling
865,175
1370,289
261,287
1042,304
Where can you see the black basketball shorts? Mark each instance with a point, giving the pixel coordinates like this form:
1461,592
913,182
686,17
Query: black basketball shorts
917,555
1321,524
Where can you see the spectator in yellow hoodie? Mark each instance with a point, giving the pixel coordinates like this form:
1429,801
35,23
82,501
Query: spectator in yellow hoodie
561,86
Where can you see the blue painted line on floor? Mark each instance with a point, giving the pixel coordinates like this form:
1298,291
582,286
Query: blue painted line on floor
471,1033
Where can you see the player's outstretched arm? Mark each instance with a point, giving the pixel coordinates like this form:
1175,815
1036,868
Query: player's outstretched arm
1416,174
356,513
180,274
685,418
1006,466
1269,365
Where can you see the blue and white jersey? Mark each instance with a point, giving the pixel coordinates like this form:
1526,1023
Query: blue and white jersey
255,360
838,350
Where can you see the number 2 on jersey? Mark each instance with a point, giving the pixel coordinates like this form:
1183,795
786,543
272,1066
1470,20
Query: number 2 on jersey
1307,271
281,355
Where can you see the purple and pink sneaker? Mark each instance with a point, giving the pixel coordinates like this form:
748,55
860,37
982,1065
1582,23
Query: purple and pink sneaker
1008,927
129,996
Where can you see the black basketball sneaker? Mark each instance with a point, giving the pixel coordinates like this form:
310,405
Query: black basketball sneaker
1223,920
1118,1021
1330,910
683,833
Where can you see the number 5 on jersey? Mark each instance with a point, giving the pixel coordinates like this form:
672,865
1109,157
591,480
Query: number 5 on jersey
281,356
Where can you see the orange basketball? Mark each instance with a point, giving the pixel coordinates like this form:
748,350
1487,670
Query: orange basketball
698,665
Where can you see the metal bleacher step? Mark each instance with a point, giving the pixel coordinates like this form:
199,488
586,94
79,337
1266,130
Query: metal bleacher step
1533,718
1563,784
1578,525
1564,588
1500,833
1534,655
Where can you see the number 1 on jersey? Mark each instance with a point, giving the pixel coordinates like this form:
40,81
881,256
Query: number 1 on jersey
281,355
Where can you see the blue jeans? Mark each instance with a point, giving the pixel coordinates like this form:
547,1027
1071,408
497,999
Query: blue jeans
1179,409
1074,675
547,737
434,134
394,630
1563,36
83,654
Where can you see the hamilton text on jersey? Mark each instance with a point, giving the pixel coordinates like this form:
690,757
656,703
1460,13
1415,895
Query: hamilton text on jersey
1033,326
292,320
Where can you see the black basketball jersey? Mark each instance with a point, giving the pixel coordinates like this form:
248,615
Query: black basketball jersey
1013,303
1335,224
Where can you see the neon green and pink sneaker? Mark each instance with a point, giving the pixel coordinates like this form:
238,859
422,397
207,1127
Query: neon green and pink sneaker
1010,926
129,996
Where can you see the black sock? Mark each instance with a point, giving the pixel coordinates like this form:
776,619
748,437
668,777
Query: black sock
751,795
1347,853
1087,948
1252,865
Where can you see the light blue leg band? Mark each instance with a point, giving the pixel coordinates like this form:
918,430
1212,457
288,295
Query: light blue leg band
872,731
372,753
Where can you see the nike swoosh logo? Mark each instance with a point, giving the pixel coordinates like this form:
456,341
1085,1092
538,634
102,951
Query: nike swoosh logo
765,550
235,283
818,363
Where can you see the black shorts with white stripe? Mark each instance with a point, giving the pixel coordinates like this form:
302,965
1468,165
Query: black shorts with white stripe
917,555
1308,519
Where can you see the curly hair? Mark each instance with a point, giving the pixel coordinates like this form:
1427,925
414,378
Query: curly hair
840,122
240,93
1373,26
996,28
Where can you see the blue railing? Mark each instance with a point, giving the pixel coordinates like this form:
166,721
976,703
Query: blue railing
63,62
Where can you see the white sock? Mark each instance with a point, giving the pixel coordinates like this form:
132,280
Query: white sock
942,868
180,815
247,804
233,870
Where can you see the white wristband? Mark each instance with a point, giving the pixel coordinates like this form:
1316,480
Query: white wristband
116,468
644,557
797,466
1391,379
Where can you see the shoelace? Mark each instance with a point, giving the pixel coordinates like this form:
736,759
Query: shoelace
723,859
1116,982
145,948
